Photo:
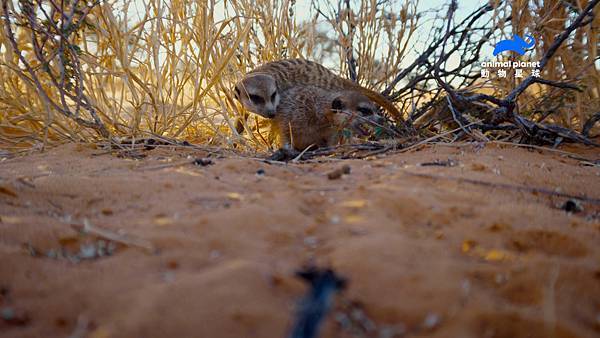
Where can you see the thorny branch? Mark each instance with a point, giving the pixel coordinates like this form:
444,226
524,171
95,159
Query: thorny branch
505,110
411,87
56,55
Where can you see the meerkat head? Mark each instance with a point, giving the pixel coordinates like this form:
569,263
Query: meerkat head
354,112
258,93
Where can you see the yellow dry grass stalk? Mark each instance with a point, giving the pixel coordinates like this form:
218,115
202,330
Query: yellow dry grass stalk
154,67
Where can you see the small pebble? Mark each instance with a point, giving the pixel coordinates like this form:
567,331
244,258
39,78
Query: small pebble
573,206
168,276
32,251
431,321
338,173
311,241
343,320
101,248
260,172
203,162
8,313
111,248
214,254
52,254
87,251
466,286
361,317
74,259
392,331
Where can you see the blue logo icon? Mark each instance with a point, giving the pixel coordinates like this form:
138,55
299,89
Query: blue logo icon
517,45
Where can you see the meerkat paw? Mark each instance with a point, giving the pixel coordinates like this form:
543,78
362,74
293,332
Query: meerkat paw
284,154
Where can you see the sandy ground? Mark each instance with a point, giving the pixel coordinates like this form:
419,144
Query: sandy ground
210,251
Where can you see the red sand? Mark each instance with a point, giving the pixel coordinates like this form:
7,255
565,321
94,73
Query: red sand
212,250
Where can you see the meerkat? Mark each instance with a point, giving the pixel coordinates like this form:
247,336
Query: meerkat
309,115
260,90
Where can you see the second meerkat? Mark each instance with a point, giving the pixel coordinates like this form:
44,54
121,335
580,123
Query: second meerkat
309,115
260,91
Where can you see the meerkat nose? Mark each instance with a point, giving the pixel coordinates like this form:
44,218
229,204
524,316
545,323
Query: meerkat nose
270,113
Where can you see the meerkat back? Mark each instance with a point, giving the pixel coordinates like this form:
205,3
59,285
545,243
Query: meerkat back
293,72
289,73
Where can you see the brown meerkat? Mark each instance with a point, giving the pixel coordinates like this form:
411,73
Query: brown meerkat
260,90
309,115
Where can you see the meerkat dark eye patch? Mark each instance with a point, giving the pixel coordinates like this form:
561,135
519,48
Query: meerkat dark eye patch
273,96
256,99
337,104
365,111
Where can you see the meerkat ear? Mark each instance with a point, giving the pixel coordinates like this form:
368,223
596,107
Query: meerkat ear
337,104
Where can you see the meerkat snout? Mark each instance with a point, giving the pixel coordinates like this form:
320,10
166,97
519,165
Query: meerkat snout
353,110
258,93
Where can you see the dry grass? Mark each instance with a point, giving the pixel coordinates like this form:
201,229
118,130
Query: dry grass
165,68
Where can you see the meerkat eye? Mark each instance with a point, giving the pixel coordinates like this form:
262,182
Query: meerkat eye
337,104
256,99
365,111
273,96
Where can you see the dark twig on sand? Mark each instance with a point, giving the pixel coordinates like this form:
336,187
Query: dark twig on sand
533,190
314,306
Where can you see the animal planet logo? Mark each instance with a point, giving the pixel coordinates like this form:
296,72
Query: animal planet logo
517,45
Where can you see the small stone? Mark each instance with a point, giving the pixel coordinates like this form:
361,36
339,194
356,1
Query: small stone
101,248
466,286
31,250
87,251
260,172
14,317
168,276
52,254
343,320
203,162
572,206
338,173
431,321
8,313
214,254
392,331
74,259
111,248
311,241
500,279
